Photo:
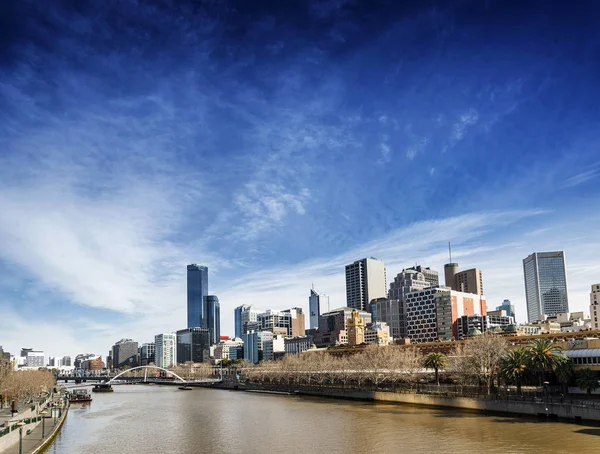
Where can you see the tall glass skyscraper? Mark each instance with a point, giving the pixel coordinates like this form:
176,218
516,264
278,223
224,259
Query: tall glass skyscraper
545,284
214,318
197,291
238,319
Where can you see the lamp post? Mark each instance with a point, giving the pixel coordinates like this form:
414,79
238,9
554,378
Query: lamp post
43,413
20,425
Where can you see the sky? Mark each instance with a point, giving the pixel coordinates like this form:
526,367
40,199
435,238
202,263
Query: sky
276,142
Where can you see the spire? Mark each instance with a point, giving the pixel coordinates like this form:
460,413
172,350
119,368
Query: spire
450,251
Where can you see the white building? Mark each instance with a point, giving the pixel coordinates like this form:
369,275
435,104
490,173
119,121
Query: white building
35,359
165,350
317,304
365,281
595,306
222,348
545,284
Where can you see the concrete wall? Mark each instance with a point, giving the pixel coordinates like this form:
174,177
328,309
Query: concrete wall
13,437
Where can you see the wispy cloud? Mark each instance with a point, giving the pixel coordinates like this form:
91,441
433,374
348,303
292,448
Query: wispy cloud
582,177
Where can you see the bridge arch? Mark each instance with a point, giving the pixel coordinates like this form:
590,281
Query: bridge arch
147,367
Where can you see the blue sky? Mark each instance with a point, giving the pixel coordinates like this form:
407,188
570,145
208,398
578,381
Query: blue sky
275,144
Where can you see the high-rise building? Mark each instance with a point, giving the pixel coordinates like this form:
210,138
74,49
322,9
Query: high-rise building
193,344
298,322
147,353
595,306
213,318
249,316
197,291
238,328
467,281
545,284
165,350
318,304
365,281
125,353
66,361
507,307
251,350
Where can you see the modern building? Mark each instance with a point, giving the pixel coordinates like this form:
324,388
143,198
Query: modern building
595,306
197,291
377,333
391,312
355,327
318,304
545,284
365,281
297,345
333,326
66,361
213,318
249,319
254,350
125,353
193,344
165,350
298,322
147,353
467,281
55,361
33,358
508,307
223,349
88,361
237,319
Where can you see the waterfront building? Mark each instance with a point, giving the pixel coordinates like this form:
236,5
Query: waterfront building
147,353
66,361
508,307
333,326
545,284
377,333
124,353
365,281
165,350
595,306
213,318
297,345
318,304
237,319
355,327
197,291
193,344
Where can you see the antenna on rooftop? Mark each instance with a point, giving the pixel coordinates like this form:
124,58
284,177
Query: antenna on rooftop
450,251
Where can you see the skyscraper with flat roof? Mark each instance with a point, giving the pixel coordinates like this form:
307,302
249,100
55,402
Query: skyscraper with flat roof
197,291
214,318
237,313
545,284
365,282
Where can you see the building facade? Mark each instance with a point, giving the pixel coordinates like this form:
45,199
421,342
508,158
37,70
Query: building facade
249,319
318,304
545,284
297,345
125,353
165,350
365,281
467,281
355,327
595,306
213,318
377,333
193,344
147,353
508,307
197,291
237,319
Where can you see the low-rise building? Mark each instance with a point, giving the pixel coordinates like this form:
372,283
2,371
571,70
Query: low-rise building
223,349
378,333
297,345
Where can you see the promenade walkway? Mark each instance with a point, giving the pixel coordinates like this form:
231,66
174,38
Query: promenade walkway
32,441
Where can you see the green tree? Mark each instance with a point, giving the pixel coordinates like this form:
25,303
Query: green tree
587,379
564,372
543,356
436,361
514,366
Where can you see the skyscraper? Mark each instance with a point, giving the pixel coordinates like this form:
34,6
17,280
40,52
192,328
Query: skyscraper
197,291
165,352
365,281
508,307
545,284
238,319
317,304
193,344
467,281
595,306
213,318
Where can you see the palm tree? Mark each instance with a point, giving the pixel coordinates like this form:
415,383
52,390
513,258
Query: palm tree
436,361
587,379
542,357
513,367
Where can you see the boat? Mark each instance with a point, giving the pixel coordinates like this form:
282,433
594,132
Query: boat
103,388
185,388
80,395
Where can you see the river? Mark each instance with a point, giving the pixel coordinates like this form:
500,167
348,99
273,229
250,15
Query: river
141,419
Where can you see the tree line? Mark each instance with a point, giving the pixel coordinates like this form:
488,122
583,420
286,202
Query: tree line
23,385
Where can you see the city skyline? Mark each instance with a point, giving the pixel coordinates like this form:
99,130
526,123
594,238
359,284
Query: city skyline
241,141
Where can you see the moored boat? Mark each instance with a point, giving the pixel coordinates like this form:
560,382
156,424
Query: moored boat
80,395
185,388
103,388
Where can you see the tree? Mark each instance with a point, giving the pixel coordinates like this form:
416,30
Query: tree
564,372
543,356
587,379
436,361
514,366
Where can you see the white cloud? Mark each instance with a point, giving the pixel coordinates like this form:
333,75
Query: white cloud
417,148
582,177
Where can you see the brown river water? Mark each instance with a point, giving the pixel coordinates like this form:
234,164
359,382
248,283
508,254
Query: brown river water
154,419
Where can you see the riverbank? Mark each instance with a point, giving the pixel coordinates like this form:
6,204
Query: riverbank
514,407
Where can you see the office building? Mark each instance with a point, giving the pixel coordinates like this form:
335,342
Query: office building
249,319
88,361
33,358
391,312
54,361
237,319
467,281
377,333
253,346
595,306
297,345
545,284
193,344
333,326
213,318
318,304
147,353
297,323
66,361
165,350
197,291
365,281
508,307
223,349
125,353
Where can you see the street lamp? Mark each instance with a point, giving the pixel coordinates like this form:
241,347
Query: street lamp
20,425
43,413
